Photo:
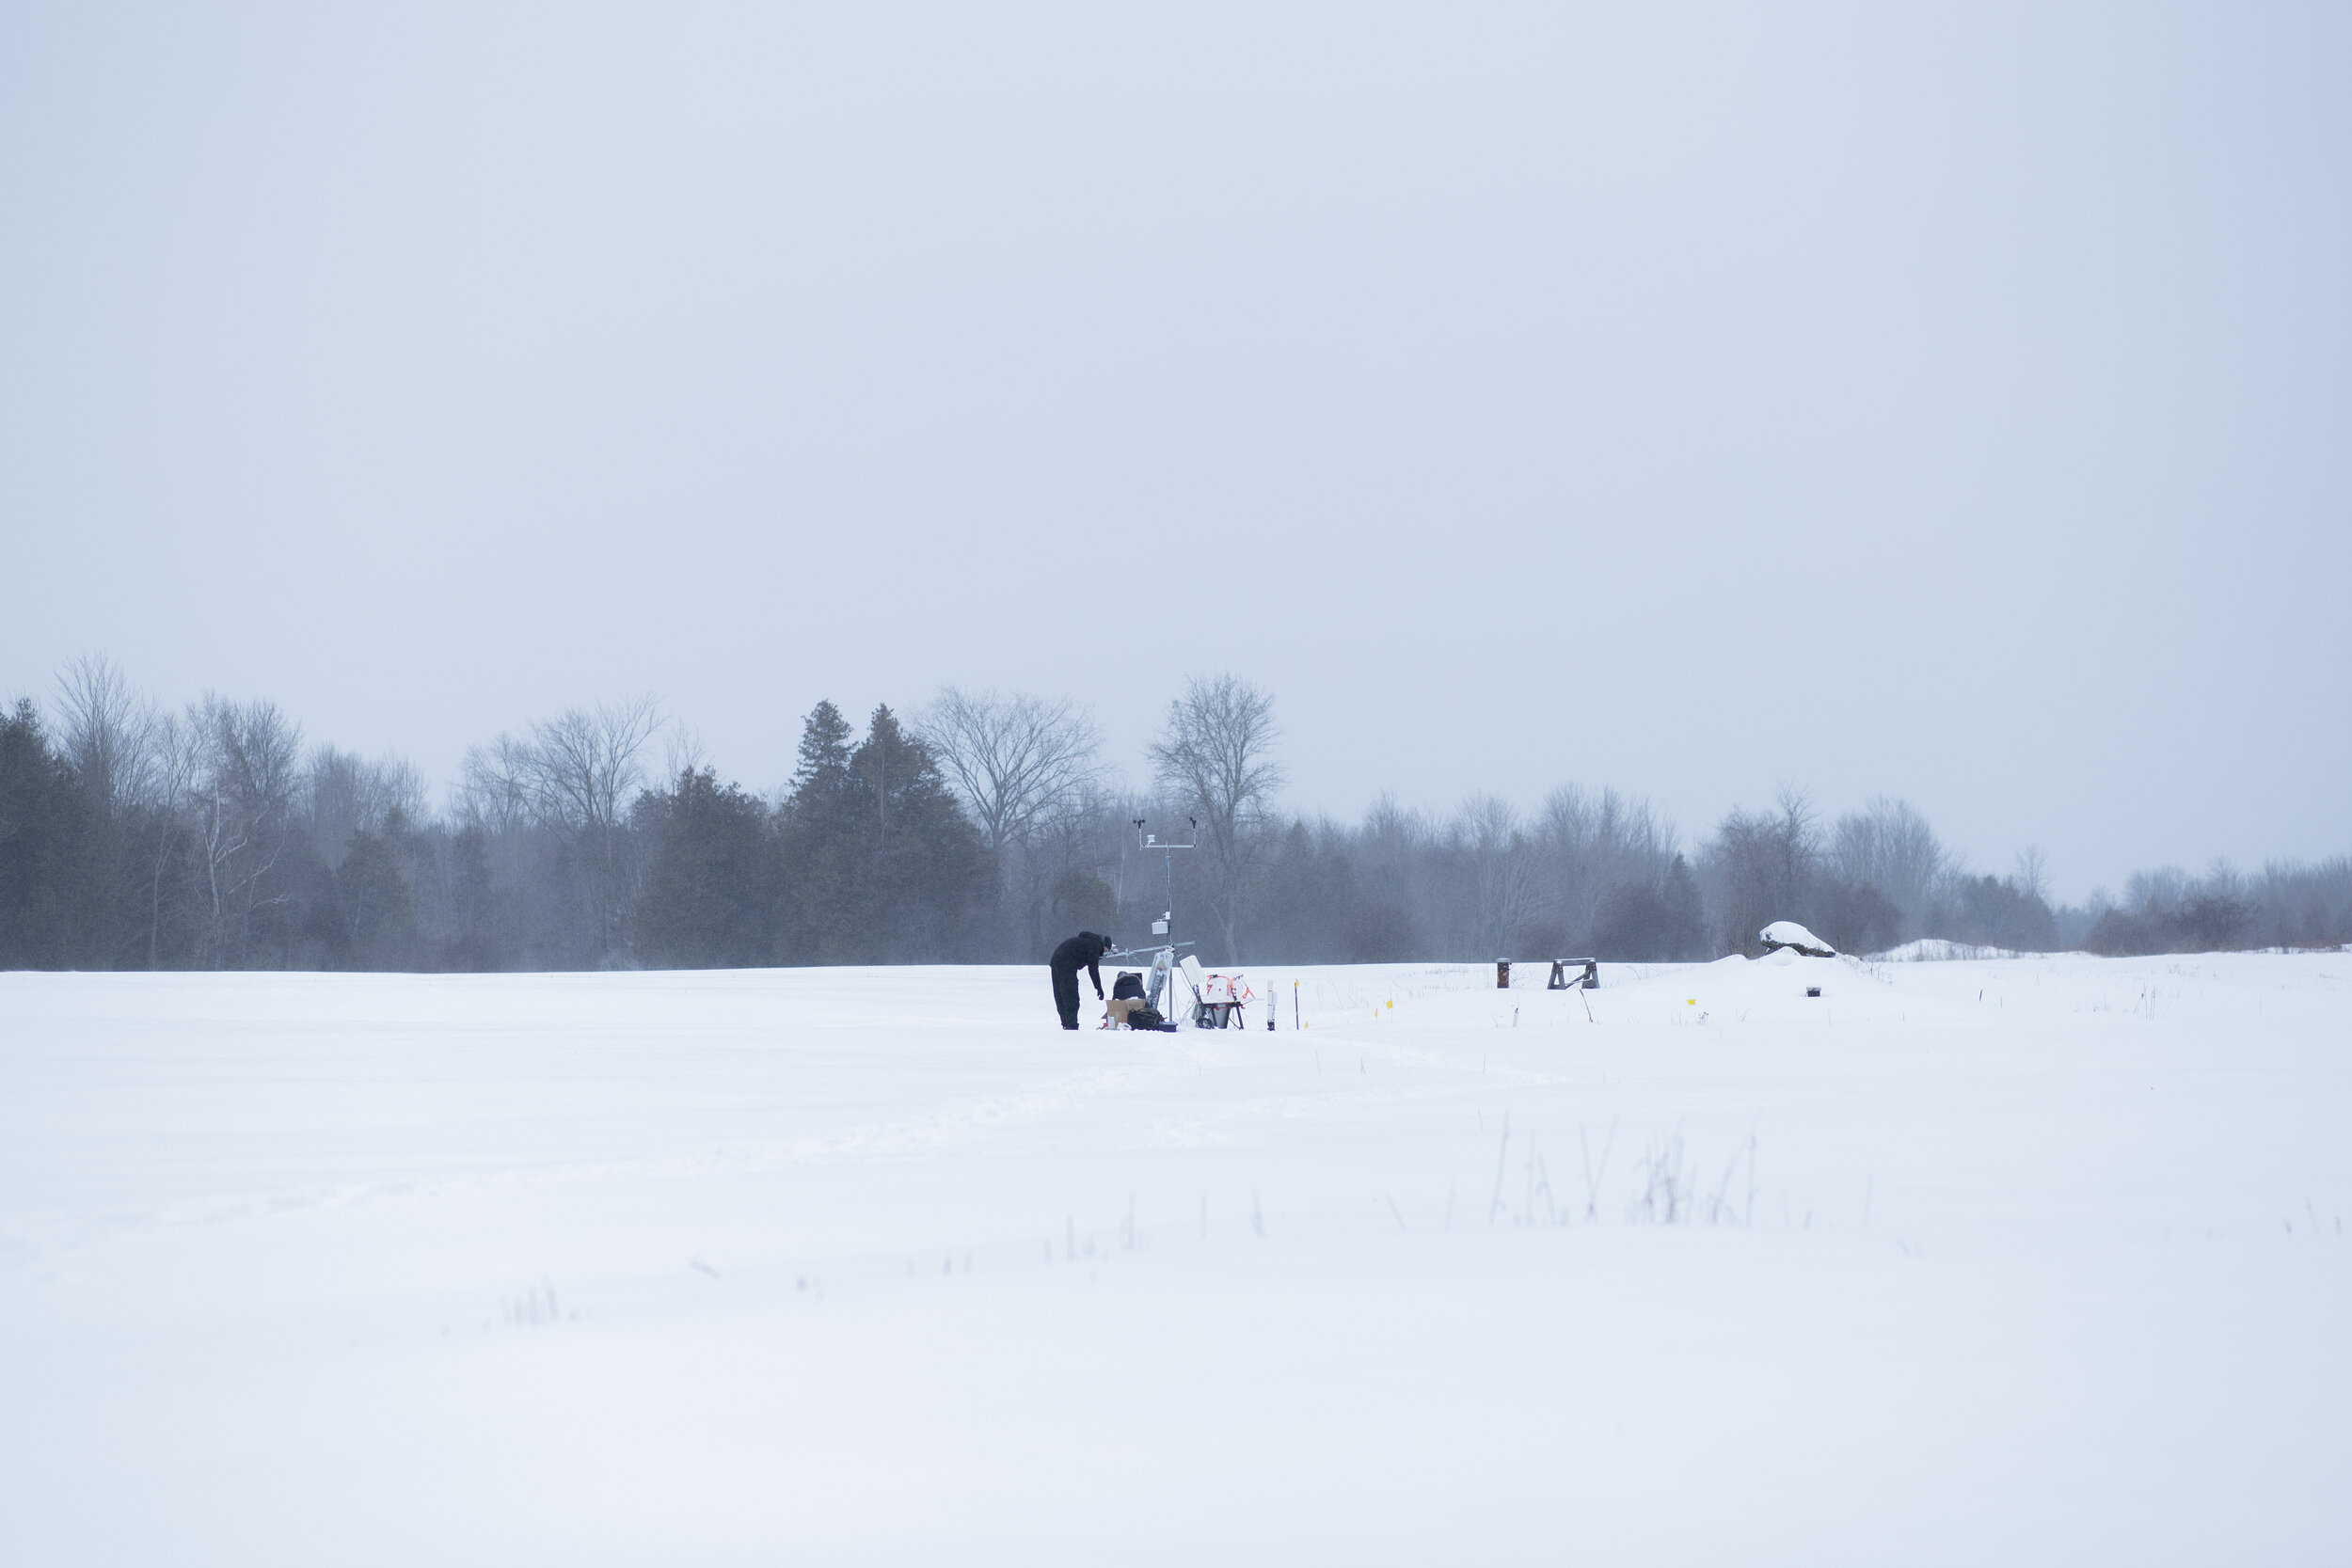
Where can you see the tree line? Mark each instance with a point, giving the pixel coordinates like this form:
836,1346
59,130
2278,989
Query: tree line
980,828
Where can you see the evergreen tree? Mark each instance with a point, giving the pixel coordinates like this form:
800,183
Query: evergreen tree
1686,914
1632,924
46,896
2002,913
880,863
819,916
1078,901
1652,922
1309,900
824,765
1854,917
708,901
378,909
927,863
473,941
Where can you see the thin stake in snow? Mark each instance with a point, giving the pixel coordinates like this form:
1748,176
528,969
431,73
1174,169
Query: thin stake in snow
1503,1154
1593,1180
1715,1215
1749,1219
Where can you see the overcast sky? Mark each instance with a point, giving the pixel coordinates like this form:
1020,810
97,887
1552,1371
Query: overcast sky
1951,404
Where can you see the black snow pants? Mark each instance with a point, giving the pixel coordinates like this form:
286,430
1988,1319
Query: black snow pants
1066,995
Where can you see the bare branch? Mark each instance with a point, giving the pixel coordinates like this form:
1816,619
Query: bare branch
1217,758
1016,760
108,730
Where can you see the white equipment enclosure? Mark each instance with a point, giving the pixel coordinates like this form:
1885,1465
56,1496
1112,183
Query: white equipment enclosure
1217,999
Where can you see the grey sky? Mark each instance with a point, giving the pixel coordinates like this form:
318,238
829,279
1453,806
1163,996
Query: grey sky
1951,404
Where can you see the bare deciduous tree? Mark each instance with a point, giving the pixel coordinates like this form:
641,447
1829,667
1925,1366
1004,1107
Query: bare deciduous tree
351,794
1759,868
1028,769
1505,893
1015,759
246,795
177,752
1888,844
583,763
2033,871
582,769
108,731
496,791
575,776
682,753
1596,844
1217,758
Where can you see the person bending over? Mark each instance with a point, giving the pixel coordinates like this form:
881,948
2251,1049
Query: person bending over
1083,951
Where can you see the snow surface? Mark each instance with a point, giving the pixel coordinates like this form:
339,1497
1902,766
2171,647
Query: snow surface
2033,1261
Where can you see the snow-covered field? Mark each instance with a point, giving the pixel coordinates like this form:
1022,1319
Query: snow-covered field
2027,1261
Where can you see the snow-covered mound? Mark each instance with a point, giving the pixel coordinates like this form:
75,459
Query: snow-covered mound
1788,933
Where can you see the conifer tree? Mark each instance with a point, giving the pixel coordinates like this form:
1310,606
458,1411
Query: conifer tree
378,909
1686,912
824,762
927,863
817,913
879,862
708,898
46,896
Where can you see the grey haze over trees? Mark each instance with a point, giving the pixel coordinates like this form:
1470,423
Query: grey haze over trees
215,837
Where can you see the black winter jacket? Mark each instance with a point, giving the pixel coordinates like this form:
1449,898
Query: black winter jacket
1083,951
